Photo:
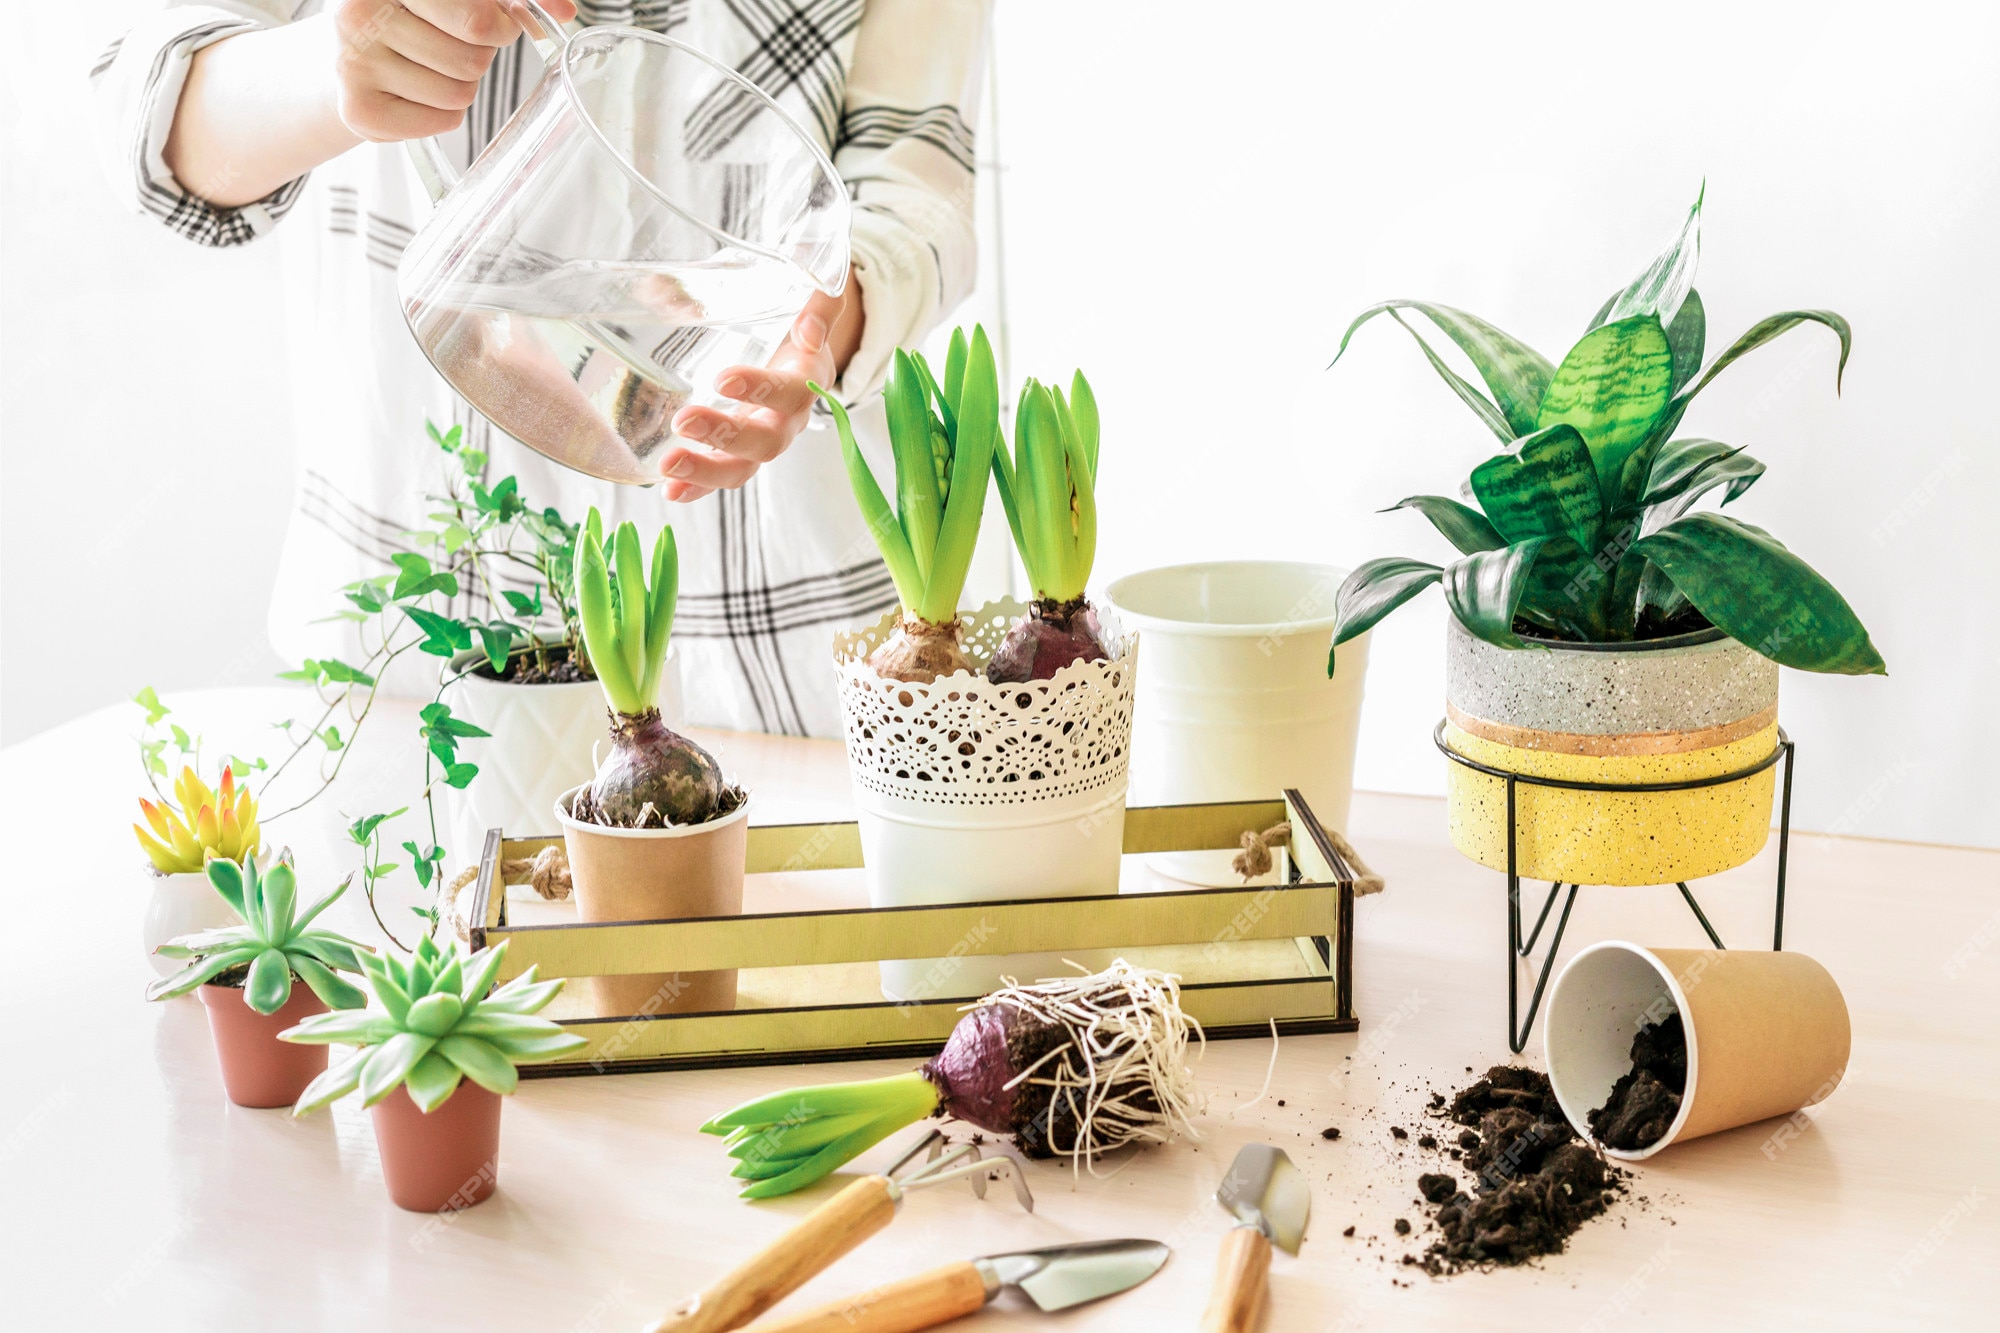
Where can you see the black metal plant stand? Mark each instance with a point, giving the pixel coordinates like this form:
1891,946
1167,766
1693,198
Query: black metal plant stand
1518,1028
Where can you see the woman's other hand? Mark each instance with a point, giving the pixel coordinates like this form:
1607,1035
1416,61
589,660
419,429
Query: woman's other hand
409,70
720,450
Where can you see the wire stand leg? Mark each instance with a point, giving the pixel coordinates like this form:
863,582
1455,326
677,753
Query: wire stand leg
1784,847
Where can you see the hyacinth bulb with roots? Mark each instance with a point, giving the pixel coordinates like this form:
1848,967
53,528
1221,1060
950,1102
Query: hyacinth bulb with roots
1072,1067
1049,493
653,777
943,436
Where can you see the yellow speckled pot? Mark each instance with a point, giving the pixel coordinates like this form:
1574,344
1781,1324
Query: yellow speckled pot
1694,706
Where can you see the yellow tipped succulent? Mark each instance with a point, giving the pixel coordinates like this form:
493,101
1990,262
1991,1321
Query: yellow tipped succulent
211,823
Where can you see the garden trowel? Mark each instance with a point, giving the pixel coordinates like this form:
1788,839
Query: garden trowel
1054,1279
1269,1199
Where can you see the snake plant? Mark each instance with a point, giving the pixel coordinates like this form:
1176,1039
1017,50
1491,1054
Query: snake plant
275,942
437,1020
943,435
1583,530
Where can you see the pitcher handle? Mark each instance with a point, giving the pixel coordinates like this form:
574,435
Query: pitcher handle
433,168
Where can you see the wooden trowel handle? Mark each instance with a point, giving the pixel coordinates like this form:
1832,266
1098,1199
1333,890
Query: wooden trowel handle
1240,1272
783,1266
899,1307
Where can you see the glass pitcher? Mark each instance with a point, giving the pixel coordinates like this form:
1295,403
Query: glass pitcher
647,218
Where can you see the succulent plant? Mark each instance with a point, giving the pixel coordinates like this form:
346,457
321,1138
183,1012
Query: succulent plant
209,825
944,437
1049,493
1583,531
275,942
435,1023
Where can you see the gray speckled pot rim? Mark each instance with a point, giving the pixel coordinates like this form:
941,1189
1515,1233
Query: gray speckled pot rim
1691,683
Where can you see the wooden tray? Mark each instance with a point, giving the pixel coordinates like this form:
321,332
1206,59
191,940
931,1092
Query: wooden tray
806,946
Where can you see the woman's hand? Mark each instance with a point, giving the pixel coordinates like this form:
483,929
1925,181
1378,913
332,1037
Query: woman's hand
409,70
724,449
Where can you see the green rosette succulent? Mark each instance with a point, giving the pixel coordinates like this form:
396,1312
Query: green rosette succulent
275,942
435,1024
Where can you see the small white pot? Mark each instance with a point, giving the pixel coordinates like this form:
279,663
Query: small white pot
181,905
968,791
540,747
1236,704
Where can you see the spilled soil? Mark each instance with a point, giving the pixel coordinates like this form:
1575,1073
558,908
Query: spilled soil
1646,1098
1529,1181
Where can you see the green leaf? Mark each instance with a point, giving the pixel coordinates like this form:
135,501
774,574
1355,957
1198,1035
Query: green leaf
917,502
336,991
1482,407
1462,525
978,433
597,615
665,597
1515,373
349,1027
341,1077
226,878
497,638
524,606
150,701
881,521
434,1015
479,979
1666,282
333,669
1546,486
1083,410
1373,591
460,776
281,894
200,971
1763,331
1685,336
481,1061
443,636
1613,386
1761,595
431,1081
390,1063
1686,469
269,984
437,716
1483,590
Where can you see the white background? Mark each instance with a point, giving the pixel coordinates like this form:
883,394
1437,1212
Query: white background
1195,201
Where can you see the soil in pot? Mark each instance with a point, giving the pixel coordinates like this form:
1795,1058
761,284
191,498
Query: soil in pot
257,1069
1534,1182
1646,1098
440,1162
554,665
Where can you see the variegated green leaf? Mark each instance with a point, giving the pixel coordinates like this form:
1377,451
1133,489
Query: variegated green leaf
1483,590
1462,526
1612,387
1760,594
1515,373
1546,486
1373,591
1763,331
1667,280
1686,469
1686,336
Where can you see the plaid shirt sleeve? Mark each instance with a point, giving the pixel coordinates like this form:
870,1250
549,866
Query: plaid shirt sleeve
136,88
905,149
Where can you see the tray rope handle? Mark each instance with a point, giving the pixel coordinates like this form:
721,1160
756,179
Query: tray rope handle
1254,858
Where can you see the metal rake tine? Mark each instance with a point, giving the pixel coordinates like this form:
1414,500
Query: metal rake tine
934,1141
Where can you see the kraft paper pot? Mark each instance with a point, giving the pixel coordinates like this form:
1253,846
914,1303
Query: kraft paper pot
1693,706
258,1069
443,1161
1767,1033
1236,704
657,875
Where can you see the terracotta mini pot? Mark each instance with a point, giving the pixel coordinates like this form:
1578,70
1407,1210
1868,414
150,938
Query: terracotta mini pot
443,1161
1767,1033
657,875
258,1069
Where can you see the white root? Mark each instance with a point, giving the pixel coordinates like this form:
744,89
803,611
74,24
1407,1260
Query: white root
1128,1036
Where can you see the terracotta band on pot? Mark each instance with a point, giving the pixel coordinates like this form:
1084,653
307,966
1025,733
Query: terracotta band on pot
1623,743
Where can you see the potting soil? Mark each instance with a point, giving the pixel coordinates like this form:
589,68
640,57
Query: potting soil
1647,1097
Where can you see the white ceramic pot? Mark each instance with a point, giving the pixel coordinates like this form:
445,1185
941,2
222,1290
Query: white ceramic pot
968,791
540,747
1236,704
181,905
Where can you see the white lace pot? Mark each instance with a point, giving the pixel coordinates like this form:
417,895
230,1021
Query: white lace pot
540,748
181,905
968,791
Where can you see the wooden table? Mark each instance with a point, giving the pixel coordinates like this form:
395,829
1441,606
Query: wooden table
136,1196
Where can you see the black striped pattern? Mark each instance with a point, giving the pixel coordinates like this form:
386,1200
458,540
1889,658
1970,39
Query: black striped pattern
941,126
795,50
655,15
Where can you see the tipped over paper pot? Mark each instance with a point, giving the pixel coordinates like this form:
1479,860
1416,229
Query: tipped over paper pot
1766,1033
623,874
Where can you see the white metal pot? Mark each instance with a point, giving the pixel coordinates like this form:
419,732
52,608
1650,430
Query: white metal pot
181,905
540,747
1236,704
968,791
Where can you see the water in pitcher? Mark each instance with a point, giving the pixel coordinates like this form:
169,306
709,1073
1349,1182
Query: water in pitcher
588,360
